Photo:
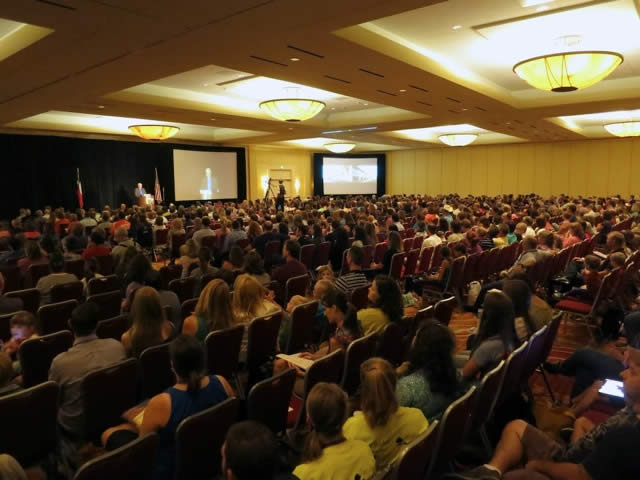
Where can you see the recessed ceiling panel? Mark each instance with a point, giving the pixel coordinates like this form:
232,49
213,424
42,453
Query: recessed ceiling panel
431,134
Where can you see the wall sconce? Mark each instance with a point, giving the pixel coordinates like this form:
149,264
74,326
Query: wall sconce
264,180
296,184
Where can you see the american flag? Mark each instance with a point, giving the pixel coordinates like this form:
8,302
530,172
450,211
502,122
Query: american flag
158,191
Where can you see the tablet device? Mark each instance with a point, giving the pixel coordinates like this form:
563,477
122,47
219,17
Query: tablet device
612,388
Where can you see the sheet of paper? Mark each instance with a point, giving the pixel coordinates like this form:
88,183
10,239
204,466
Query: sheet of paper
303,363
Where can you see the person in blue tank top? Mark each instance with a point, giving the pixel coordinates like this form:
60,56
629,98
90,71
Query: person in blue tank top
193,392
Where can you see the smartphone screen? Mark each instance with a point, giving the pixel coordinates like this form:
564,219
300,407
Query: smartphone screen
613,388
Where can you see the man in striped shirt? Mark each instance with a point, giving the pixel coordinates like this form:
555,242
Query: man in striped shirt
355,278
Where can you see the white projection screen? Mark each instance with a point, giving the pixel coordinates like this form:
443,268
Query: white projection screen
201,175
350,176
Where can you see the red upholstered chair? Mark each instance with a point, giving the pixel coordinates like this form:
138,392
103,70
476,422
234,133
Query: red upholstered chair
30,416
183,287
36,354
411,263
108,304
67,291
321,255
424,261
451,433
157,374
381,249
367,257
413,461
397,265
357,352
30,298
360,297
391,345
136,459
223,352
443,310
381,237
35,272
200,437
306,255
262,343
470,268
55,316
345,267
110,283
417,242
268,400
113,327
407,243
296,286
303,318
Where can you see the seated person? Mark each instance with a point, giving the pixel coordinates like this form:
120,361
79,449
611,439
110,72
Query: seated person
520,296
327,454
355,278
592,277
149,327
24,326
96,246
382,424
193,392
188,256
57,277
602,452
90,271
431,381
249,452
386,305
8,304
213,311
6,376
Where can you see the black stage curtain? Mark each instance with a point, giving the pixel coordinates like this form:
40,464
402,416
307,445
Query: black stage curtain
41,170
318,161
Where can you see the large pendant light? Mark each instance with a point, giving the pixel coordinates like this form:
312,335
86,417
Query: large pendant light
292,109
154,132
458,139
568,71
624,129
340,147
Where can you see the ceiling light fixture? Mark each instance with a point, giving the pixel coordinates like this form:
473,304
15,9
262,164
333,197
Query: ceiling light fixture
542,8
568,71
154,132
292,109
340,147
294,59
456,27
624,129
458,140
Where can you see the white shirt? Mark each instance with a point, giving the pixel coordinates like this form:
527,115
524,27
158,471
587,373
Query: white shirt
431,241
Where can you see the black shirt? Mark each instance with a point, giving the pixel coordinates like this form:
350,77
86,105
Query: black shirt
616,455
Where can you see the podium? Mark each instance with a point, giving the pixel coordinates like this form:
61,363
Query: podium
146,200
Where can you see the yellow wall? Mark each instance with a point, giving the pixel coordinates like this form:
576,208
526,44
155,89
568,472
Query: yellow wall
260,159
590,167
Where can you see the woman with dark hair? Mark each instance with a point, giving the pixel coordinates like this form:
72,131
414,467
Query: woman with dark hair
135,277
34,257
395,246
520,295
254,266
327,454
386,300
603,229
318,236
193,392
433,382
361,238
339,243
495,336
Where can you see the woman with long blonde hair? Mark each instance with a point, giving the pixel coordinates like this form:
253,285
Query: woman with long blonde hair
213,311
327,454
383,424
149,327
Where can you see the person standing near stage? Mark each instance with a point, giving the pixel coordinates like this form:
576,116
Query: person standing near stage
280,198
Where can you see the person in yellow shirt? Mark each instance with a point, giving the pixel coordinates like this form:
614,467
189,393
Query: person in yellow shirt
386,427
386,300
327,454
501,240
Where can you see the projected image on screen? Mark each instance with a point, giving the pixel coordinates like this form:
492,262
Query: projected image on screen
204,175
350,176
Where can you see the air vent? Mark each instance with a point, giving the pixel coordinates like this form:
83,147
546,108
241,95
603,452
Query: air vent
56,4
453,111
533,126
379,75
387,93
453,100
337,79
424,103
481,109
302,50
419,88
268,60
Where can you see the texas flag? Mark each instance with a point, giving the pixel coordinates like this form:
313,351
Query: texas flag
79,190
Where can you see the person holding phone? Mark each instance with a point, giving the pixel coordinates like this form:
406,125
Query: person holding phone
24,326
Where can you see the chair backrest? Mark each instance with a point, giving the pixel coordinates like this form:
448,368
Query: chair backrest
35,272
188,307
470,268
113,327
168,273
417,242
443,310
301,333
397,263
412,263
415,458
326,369
105,264
456,275
136,459
67,291
381,249
453,429
345,266
75,266
367,256
97,285
183,287
390,344
407,243
306,255
534,354
5,327
271,249
321,255
486,396
177,240
605,291
513,372
54,317
200,437
155,367
357,352
29,423
360,297
223,351
106,394
425,259
108,304
436,258
12,278
296,286
550,336
262,342
268,400
36,354
30,298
